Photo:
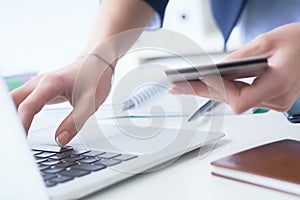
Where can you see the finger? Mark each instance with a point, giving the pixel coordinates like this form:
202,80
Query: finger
66,130
242,96
71,125
35,102
259,46
88,94
228,91
210,89
263,88
58,99
191,87
221,88
197,88
20,93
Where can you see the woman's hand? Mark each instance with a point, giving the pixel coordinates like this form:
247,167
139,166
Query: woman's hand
277,88
85,83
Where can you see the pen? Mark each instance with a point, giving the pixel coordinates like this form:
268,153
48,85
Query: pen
207,106
128,104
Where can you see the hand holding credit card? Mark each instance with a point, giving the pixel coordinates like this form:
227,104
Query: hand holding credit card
242,68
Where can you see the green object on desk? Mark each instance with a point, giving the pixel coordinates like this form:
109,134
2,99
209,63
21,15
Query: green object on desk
14,84
259,111
18,80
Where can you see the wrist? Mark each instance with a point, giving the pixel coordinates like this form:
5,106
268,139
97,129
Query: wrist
99,63
99,58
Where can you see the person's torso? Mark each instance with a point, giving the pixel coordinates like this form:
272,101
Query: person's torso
260,16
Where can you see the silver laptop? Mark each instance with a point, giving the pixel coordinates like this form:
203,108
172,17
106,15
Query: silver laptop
94,160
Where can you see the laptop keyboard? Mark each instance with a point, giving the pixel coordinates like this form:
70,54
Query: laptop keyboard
59,165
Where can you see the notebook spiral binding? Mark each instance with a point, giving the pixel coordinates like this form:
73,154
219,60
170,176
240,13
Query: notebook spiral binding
143,94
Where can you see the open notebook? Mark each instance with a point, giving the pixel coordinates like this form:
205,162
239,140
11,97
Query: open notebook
152,101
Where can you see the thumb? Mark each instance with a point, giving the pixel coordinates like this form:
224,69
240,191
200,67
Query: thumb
256,47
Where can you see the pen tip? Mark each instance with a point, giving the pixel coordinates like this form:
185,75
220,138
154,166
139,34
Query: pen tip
190,119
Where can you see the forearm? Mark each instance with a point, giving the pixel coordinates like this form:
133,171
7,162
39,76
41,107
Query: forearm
115,17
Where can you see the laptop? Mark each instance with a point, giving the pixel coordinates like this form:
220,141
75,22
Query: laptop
36,168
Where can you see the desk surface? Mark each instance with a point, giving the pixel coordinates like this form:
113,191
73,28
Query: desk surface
190,177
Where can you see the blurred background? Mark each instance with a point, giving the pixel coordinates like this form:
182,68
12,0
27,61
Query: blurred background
40,36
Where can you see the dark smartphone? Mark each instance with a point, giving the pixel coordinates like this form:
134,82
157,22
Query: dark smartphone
293,115
242,68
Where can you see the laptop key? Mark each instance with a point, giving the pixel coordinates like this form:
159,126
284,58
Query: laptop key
59,156
124,157
44,155
109,155
94,153
88,160
39,160
65,164
107,162
54,170
50,162
48,176
59,165
76,152
74,172
43,167
49,183
35,152
89,167
50,148
73,158
61,179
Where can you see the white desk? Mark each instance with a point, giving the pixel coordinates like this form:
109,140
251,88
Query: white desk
190,178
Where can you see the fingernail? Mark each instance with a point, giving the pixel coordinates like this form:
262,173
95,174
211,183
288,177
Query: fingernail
63,138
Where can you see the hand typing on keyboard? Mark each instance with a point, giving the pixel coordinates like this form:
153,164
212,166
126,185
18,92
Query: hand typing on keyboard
86,82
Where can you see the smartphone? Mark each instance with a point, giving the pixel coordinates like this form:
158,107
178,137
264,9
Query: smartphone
293,115
242,68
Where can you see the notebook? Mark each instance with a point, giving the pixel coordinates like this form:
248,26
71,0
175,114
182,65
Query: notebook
152,101
274,165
